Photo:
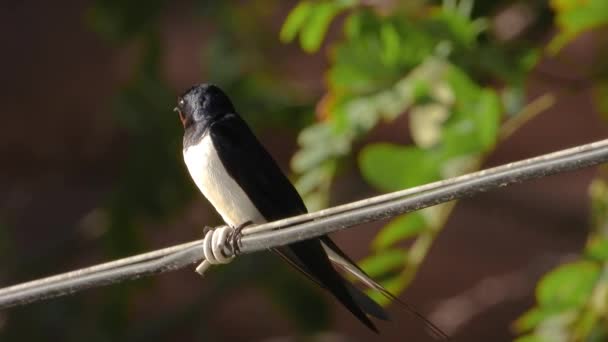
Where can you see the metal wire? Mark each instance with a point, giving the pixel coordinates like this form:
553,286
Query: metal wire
310,225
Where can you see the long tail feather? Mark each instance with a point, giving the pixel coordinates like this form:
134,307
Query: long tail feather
368,305
342,260
309,258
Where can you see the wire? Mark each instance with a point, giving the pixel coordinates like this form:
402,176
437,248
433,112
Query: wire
290,230
435,193
418,189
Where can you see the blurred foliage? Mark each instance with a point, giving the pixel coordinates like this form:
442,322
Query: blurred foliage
384,67
437,71
574,17
119,21
572,299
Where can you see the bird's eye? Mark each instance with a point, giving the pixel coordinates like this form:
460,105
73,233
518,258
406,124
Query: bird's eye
181,103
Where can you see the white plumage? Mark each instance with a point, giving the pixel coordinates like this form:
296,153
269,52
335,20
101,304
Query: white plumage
209,174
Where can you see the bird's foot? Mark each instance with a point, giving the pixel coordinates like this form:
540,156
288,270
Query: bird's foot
235,237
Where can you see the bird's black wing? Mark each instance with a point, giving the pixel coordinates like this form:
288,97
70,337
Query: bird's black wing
252,167
254,170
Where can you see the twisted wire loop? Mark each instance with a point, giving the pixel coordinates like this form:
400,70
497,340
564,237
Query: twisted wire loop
217,249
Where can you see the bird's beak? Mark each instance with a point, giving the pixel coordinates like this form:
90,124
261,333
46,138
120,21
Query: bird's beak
181,116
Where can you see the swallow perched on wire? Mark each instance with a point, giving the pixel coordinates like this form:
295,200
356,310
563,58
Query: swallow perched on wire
244,184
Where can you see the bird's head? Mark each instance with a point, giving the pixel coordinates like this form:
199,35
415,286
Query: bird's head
203,104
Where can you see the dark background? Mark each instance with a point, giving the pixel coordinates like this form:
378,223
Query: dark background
65,156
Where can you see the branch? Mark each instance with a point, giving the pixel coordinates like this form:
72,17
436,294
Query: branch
307,226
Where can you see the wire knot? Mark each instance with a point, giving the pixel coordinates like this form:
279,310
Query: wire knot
217,248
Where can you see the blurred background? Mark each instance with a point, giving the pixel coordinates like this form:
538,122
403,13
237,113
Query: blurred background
353,98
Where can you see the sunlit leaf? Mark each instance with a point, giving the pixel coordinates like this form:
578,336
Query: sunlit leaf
314,31
398,229
568,286
316,200
425,123
574,17
313,178
459,139
362,114
587,321
315,134
487,117
352,25
531,338
465,90
391,43
597,248
383,262
458,166
531,319
456,26
308,158
295,20
513,99
392,167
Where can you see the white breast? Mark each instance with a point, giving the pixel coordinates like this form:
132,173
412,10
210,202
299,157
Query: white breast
219,188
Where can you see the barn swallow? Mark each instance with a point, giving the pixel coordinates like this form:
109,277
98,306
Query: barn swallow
244,184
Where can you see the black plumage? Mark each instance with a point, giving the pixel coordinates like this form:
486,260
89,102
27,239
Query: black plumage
207,113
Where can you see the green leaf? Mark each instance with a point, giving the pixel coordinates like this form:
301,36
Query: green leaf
465,90
315,134
401,228
530,338
391,44
426,123
531,319
586,322
455,26
383,262
313,32
574,17
597,248
513,99
316,200
459,138
295,20
352,25
311,20
473,125
391,167
309,157
487,118
315,177
568,286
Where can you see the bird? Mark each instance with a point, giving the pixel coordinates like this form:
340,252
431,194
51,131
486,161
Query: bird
245,185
